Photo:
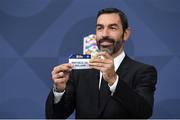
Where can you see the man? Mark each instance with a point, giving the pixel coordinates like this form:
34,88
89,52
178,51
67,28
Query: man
115,87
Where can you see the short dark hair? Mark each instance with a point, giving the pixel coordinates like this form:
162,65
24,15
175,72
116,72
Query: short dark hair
121,14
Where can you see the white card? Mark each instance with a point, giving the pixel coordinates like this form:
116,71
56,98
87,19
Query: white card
80,61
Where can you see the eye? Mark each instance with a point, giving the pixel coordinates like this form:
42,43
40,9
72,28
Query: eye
99,28
113,28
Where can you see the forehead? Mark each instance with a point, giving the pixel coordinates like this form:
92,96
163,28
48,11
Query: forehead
109,18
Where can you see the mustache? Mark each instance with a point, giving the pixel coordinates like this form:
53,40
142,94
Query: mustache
106,39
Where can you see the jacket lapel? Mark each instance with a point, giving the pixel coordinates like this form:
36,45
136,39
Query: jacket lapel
104,96
123,68
121,71
94,86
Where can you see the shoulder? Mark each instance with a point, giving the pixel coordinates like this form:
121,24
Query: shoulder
139,72
133,67
134,64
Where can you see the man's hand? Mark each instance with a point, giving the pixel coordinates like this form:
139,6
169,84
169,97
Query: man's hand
104,63
60,76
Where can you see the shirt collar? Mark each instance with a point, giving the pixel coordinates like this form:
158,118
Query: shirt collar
118,60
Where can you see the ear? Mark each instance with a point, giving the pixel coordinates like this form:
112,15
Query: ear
127,33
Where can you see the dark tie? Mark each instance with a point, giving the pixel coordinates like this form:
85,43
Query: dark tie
104,93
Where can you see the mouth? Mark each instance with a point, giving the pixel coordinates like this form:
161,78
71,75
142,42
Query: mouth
106,43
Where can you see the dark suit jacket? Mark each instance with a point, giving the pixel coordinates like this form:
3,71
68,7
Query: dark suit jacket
133,97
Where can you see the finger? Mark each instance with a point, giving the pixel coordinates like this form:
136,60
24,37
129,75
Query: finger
106,55
55,76
102,69
64,67
95,67
103,61
58,75
96,64
61,74
102,57
97,56
59,81
99,66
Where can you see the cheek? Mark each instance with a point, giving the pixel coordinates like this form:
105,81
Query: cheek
98,36
97,39
119,36
116,36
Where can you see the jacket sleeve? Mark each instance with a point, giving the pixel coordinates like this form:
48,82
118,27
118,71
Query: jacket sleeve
65,107
138,100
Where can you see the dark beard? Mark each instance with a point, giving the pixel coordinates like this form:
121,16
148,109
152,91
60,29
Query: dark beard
116,45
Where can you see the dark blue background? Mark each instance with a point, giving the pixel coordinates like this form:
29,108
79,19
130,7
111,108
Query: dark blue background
36,35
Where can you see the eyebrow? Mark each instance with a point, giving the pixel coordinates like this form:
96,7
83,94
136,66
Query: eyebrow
114,24
98,25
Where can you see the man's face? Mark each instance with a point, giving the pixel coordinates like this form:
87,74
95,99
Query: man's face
109,33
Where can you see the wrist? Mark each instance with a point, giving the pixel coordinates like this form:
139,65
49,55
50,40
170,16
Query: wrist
112,81
56,89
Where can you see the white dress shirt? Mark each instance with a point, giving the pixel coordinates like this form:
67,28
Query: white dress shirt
117,61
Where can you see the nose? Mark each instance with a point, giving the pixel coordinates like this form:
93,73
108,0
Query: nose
105,32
